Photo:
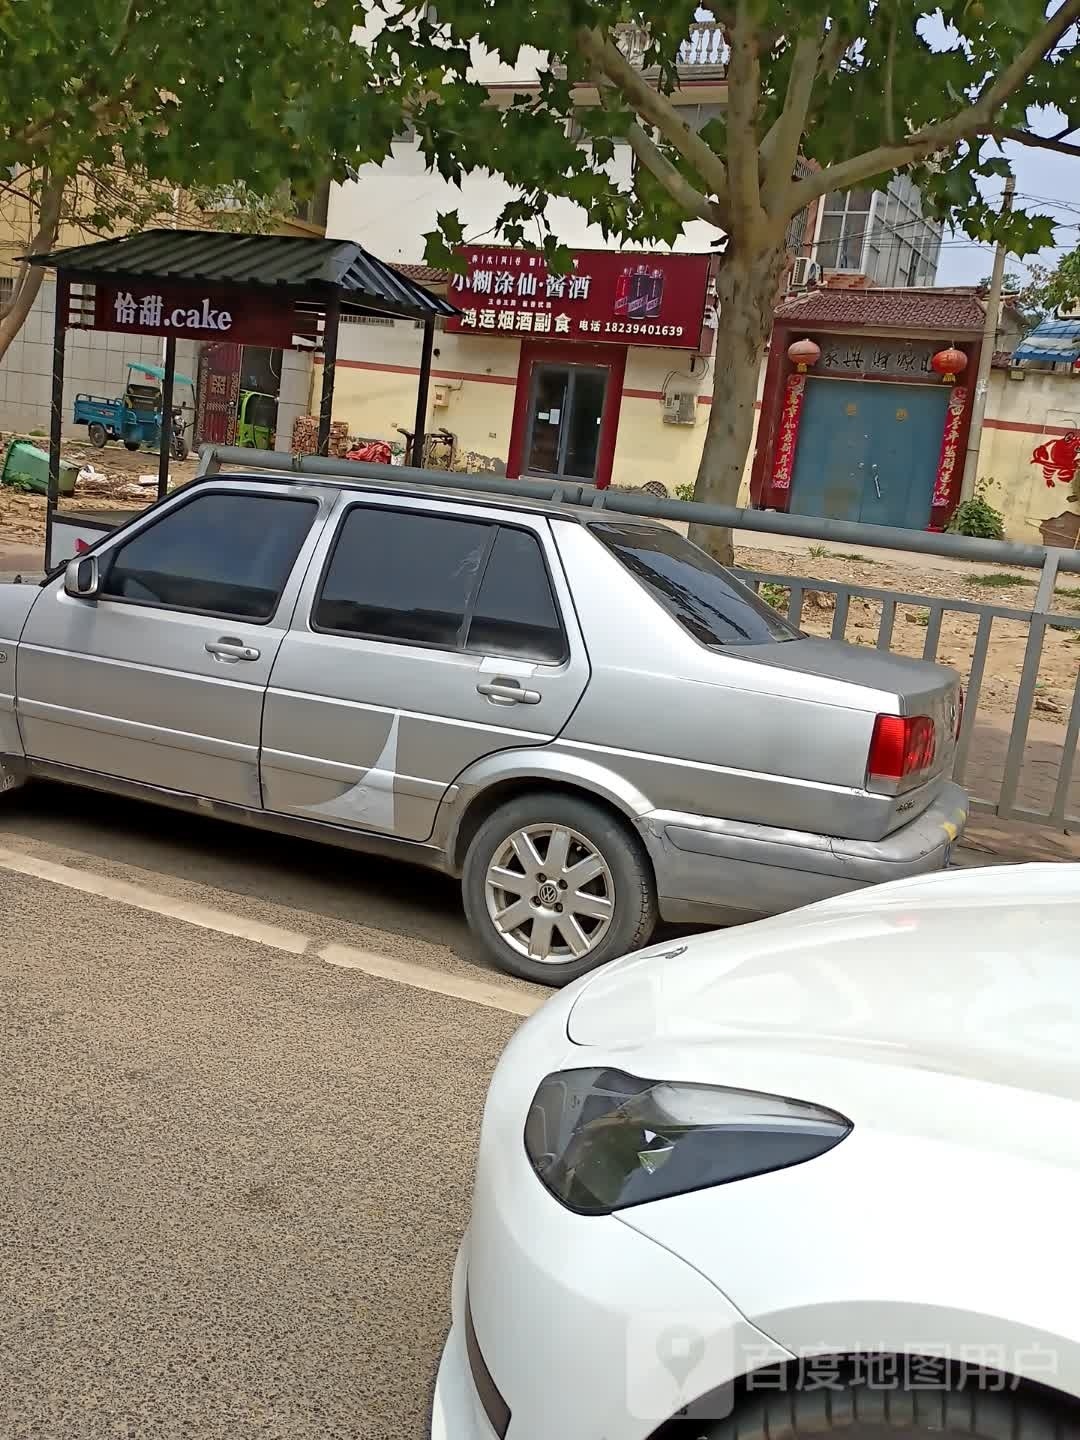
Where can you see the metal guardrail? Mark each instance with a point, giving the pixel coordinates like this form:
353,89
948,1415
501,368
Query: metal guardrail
1048,561
934,608
766,522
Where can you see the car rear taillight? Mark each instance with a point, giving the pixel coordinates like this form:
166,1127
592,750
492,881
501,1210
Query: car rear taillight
902,750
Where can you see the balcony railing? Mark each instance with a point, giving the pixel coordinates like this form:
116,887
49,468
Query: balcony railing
704,47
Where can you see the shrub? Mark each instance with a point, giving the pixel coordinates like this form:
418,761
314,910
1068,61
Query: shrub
775,595
978,518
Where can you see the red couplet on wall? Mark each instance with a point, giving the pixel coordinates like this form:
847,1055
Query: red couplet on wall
609,297
199,313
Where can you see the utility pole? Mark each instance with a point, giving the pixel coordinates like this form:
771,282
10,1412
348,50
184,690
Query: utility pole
982,378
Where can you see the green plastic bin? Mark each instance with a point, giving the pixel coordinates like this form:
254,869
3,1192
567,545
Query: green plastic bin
32,465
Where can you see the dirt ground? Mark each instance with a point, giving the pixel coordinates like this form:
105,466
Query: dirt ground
22,516
998,586
128,479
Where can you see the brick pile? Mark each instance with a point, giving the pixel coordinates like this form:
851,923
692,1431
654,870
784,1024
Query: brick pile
305,436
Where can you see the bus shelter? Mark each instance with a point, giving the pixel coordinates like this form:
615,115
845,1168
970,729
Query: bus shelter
283,291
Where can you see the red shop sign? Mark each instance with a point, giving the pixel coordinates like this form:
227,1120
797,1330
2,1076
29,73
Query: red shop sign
618,297
196,312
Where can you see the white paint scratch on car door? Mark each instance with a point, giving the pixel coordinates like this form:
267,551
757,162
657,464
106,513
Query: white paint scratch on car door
370,802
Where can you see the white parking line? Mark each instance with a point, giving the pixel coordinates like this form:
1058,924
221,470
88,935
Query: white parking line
142,899
274,937
423,977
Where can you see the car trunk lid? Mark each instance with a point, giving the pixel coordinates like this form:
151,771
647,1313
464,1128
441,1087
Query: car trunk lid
903,687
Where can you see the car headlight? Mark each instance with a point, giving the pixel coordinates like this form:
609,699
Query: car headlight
601,1140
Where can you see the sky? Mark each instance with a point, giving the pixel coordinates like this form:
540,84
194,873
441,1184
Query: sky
1046,183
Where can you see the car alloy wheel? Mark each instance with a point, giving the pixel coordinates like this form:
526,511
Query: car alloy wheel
550,893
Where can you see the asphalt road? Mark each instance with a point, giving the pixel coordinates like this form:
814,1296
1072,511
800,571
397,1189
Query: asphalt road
232,1177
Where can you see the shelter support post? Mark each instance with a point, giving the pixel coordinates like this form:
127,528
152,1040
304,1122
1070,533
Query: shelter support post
423,385
326,400
56,410
165,443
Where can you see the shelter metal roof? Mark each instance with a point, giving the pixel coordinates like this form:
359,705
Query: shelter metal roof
365,284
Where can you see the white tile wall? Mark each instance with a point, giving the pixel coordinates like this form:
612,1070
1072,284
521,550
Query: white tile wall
93,363
96,364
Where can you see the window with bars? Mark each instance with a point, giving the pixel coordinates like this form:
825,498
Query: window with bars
7,288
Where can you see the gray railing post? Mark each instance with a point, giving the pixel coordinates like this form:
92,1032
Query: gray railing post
1029,678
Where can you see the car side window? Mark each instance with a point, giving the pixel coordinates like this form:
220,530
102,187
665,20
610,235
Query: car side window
402,575
515,612
219,553
706,599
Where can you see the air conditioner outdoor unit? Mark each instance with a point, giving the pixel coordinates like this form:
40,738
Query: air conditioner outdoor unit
680,407
804,273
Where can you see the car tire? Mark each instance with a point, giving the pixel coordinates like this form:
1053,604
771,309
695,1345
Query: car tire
131,445
97,435
610,908
875,1412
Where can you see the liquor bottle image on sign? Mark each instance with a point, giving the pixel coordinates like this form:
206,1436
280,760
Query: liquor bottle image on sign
639,293
622,290
654,295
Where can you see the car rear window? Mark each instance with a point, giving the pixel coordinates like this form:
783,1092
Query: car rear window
706,600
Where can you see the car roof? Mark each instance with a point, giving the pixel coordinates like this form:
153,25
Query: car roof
555,508
965,975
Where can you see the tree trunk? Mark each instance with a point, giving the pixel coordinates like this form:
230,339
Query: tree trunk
29,278
747,289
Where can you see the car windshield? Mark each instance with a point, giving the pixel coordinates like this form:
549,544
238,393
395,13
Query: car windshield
706,600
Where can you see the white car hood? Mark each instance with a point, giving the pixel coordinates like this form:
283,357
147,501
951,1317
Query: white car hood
970,974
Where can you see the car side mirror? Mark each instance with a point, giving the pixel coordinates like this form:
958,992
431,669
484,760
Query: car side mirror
81,578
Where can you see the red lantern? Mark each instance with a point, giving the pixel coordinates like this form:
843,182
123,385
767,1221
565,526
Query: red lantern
803,354
949,364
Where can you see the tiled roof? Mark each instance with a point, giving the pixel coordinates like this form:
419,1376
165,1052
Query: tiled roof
424,274
901,309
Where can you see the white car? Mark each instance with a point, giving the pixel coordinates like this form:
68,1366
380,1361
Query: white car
820,1172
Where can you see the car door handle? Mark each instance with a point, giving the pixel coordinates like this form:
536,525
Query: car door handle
508,692
229,648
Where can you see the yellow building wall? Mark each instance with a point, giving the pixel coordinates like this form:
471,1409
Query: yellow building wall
474,382
648,446
1020,415
472,388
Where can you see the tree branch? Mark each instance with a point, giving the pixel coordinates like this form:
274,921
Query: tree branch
976,119
782,142
677,186
105,113
29,277
837,43
890,87
744,98
656,108
1039,142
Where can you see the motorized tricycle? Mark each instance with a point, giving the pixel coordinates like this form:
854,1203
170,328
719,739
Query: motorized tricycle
135,416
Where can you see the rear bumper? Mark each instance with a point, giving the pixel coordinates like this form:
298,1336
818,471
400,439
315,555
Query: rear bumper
715,870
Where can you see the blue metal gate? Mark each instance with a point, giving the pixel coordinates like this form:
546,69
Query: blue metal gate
868,451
